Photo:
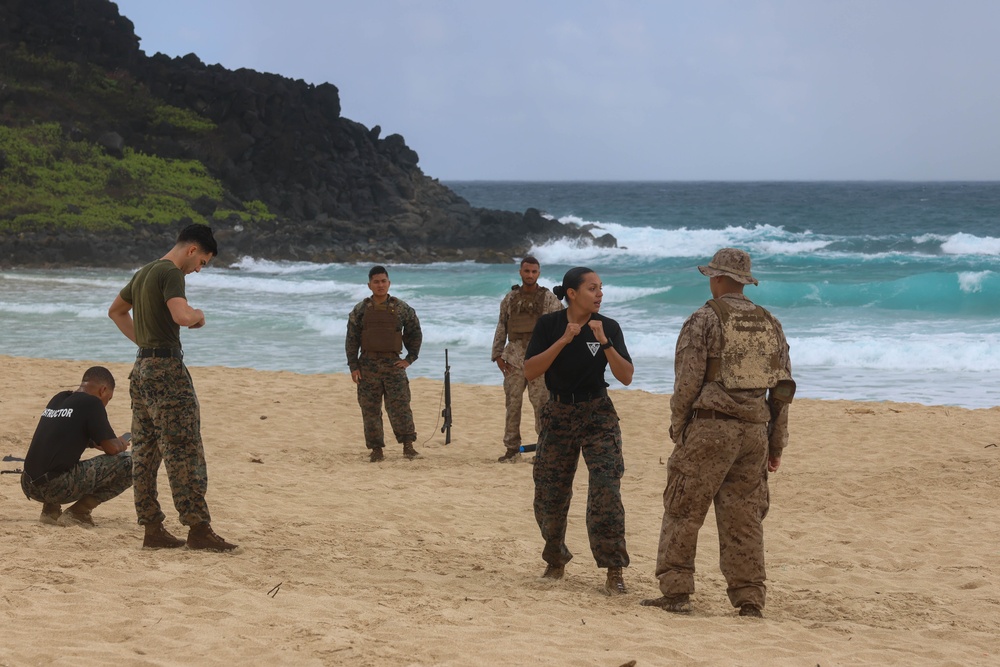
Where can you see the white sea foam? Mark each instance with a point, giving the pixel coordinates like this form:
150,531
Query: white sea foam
930,238
281,268
250,283
972,281
651,344
72,310
947,352
327,325
650,244
616,295
968,244
17,279
475,337
789,247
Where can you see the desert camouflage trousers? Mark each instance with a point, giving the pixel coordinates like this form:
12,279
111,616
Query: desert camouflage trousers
590,427
381,378
514,384
103,477
166,426
725,462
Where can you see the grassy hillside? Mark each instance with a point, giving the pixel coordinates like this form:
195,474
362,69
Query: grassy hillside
51,174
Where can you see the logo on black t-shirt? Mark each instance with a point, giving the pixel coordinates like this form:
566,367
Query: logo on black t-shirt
593,347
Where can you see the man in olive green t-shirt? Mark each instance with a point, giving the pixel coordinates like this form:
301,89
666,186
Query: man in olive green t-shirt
166,419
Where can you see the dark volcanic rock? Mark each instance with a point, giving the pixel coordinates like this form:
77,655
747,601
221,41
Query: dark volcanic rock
606,241
339,191
112,143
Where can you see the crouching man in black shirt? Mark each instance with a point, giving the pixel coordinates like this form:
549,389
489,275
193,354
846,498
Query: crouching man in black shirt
53,472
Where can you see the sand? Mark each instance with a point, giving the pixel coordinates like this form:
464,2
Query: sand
882,542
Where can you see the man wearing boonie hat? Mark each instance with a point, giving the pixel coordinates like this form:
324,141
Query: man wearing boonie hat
729,422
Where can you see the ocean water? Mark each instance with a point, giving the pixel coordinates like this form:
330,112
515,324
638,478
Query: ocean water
887,291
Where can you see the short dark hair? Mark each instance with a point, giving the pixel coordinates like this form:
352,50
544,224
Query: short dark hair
529,259
200,235
375,270
99,375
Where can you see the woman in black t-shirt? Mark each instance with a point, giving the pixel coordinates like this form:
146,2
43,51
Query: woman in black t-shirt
572,347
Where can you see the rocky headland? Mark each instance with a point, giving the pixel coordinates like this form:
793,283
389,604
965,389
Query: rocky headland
323,187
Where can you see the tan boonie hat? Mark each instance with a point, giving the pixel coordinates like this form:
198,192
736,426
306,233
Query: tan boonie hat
731,262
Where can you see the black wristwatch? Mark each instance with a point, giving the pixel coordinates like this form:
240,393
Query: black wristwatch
607,345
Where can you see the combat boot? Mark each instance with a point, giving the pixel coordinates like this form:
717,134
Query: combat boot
409,452
50,513
554,571
678,604
201,536
78,514
615,585
157,537
511,455
376,455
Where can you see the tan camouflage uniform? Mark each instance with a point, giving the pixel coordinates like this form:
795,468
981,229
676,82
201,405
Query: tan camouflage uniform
514,382
718,460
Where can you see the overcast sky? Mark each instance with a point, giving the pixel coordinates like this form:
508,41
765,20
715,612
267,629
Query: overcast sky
633,90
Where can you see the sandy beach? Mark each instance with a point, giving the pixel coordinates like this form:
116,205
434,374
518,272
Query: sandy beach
882,542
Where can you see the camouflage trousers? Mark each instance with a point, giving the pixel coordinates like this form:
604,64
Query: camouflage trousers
103,477
514,384
381,378
590,427
724,462
166,426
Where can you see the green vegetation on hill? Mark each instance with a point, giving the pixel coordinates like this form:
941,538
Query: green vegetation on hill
85,95
48,179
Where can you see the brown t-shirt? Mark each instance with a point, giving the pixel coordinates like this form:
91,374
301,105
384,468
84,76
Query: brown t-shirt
148,292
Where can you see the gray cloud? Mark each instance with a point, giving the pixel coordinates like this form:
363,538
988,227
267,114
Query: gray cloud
643,90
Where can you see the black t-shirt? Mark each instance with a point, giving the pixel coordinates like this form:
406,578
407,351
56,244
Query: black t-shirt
72,421
579,367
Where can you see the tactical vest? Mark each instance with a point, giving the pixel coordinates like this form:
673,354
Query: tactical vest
380,331
525,309
751,349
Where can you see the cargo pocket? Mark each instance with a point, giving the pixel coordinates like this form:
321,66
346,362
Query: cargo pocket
613,463
683,495
605,421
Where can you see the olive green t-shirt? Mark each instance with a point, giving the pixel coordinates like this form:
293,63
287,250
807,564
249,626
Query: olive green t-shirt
148,292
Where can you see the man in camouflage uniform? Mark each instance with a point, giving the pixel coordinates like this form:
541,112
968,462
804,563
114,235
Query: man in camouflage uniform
729,420
378,329
53,472
166,416
519,311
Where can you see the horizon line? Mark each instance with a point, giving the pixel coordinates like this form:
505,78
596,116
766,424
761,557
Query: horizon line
706,180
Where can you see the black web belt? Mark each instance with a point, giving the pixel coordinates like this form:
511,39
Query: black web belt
578,396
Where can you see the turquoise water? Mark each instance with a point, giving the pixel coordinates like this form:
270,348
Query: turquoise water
887,291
